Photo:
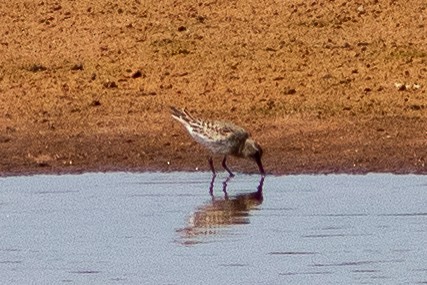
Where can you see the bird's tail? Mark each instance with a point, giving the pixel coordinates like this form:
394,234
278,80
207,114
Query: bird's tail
182,116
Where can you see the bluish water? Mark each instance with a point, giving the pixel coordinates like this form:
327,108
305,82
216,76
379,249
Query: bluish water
156,228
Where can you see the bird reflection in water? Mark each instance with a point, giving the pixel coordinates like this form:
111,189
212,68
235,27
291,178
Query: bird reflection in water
214,218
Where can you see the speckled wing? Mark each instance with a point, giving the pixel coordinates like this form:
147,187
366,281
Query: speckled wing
220,137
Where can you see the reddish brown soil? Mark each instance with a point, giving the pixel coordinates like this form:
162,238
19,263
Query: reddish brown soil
86,85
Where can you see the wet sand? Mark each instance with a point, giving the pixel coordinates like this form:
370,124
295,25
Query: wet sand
323,86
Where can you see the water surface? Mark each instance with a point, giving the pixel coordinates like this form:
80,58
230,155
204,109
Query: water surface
184,228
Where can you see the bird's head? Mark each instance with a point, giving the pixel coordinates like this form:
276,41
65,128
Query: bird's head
253,151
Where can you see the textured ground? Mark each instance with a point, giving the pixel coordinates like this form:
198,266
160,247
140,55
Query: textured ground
86,85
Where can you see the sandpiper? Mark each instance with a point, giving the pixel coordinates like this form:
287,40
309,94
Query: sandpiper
220,138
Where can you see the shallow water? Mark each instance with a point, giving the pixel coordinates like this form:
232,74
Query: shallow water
155,228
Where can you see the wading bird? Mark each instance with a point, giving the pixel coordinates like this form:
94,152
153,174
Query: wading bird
222,138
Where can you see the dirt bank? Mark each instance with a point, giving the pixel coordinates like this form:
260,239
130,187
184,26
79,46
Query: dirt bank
324,86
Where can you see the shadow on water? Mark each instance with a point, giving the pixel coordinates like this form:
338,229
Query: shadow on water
211,220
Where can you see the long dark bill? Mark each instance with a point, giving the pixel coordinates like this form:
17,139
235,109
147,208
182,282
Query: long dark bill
259,163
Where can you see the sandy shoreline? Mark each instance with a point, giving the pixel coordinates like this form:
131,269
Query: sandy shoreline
324,149
87,86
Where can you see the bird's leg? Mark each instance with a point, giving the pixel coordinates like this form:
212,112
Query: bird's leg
211,187
224,164
224,187
211,165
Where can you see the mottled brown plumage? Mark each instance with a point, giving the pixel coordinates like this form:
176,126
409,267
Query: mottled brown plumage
220,138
